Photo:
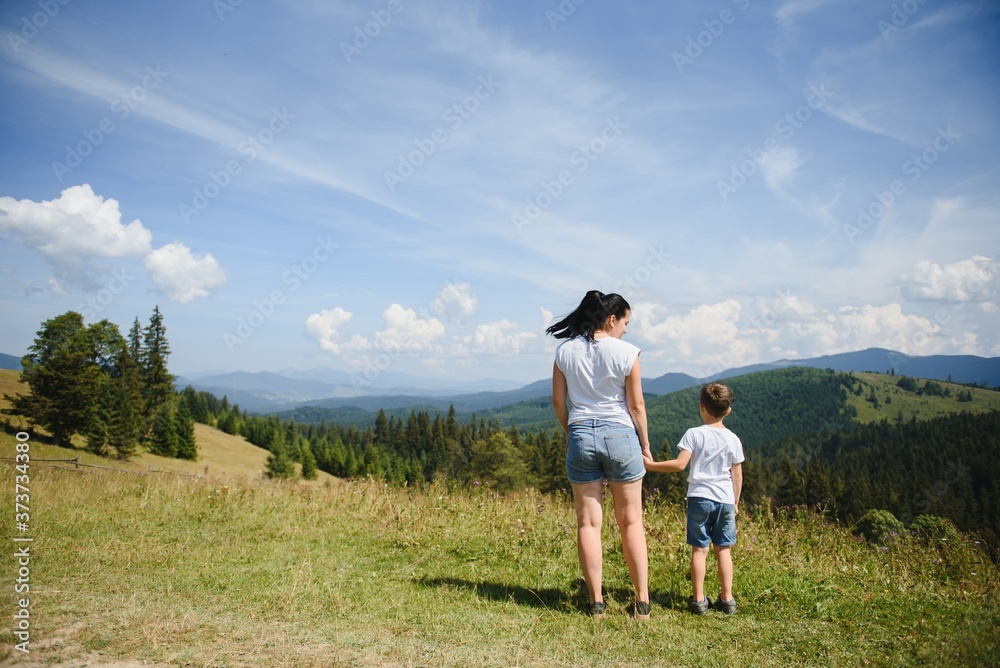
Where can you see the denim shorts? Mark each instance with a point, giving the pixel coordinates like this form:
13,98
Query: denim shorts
600,450
710,522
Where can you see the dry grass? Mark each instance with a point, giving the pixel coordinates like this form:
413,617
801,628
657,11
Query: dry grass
220,455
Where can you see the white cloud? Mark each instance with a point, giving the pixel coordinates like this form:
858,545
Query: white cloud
325,326
405,331
73,230
181,275
454,301
967,280
780,167
787,13
498,338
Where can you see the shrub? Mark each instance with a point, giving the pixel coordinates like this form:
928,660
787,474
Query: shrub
878,526
933,530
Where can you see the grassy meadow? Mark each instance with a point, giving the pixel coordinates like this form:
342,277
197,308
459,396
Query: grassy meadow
912,405
135,569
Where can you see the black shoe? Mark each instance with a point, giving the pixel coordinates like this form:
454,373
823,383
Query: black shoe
596,609
727,607
700,607
642,609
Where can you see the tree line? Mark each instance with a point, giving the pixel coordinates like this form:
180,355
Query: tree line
113,390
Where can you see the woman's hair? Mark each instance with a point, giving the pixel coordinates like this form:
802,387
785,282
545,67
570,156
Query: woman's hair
590,315
716,398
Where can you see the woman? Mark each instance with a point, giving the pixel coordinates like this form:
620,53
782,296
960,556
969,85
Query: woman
606,436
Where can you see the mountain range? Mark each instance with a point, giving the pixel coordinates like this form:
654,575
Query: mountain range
267,391
326,388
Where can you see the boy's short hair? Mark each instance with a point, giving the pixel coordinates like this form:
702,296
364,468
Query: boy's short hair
716,398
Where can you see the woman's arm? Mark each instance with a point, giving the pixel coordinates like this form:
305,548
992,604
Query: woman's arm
559,391
637,407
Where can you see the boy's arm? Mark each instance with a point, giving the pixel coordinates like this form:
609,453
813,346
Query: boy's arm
669,466
737,473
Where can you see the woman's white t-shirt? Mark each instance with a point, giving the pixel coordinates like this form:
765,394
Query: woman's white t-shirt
595,377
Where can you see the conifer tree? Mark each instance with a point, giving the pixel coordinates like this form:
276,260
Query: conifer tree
187,447
164,439
158,384
62,378
308,461
279,464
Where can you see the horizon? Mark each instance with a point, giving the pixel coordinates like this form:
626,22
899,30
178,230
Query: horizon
422,188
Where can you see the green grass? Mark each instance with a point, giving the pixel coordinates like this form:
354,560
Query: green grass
911,405
174,571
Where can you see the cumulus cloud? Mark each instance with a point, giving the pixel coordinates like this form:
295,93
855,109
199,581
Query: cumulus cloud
971,280
405,331
73,230
182,275
714,337
325,327
454,301
79,229
498,338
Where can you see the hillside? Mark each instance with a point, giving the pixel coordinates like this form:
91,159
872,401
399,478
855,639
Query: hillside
219,454
154,571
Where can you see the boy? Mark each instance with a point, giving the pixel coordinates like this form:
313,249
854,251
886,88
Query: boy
713,497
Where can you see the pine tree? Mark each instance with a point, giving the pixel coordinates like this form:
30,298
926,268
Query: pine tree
308,461
157,383
187,447
62,378
164,440
279,464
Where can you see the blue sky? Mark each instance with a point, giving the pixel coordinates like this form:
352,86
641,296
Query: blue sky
422,186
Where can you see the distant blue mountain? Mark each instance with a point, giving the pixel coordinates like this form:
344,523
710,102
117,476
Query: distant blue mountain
10,362
958,368
326,389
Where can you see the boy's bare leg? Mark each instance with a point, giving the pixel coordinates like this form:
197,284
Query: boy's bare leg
628,514
724,558
699,555
589,516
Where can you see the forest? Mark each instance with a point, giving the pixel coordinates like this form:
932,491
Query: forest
800,427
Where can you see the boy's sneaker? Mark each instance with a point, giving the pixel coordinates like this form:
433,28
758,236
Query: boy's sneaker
596,609
699,607
642,609
727,607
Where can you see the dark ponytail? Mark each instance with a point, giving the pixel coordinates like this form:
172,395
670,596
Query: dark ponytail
590,315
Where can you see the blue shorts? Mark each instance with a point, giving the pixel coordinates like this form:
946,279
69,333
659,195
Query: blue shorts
600,450
710,522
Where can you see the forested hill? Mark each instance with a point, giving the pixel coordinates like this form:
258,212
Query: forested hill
767,406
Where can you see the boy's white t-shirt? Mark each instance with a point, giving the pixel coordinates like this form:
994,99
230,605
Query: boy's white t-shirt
713,453
595,377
